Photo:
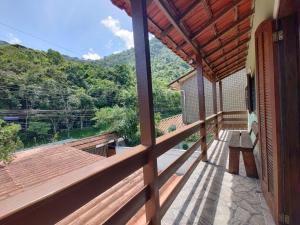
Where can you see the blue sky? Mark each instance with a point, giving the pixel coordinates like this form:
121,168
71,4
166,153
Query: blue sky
87,29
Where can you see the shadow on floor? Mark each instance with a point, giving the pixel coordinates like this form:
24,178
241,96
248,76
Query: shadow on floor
214,196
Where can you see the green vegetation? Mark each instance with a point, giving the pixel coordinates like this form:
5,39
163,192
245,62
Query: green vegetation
9,141
81,98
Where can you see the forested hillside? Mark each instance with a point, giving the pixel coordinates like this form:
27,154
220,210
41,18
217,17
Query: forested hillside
165,64
53,97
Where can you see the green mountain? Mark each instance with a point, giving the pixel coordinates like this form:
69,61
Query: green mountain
164,63
77,94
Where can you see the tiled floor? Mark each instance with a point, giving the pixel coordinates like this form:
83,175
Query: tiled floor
214,196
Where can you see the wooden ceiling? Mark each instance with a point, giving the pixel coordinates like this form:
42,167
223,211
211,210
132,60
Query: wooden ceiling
217,30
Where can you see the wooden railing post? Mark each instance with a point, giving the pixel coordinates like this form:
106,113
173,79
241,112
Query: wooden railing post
145,99
215,108
201,100
221,102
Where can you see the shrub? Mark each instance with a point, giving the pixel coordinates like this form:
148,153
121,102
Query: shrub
185,146
172,128
9,141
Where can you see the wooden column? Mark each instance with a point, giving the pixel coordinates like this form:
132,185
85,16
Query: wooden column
201,98
145,100
221,102
215,107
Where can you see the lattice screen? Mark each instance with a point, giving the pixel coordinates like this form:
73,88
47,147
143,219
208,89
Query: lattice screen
234,91
233,96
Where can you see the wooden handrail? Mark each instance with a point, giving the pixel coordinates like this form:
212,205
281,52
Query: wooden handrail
45,200
210,118
129,209
235,112
235,119
167,141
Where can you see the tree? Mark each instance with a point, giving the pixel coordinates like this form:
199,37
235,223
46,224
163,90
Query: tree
9,141
122,121
39,130
54,57
85,104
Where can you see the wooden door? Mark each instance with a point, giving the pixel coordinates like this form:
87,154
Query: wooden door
267,96
289,76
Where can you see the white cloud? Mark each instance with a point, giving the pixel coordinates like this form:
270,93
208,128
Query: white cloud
116,52
115,27
13,39
91,55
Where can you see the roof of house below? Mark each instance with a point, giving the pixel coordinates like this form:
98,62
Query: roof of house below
38,165
165,124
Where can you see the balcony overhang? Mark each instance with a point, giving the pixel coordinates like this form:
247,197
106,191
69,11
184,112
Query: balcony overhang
218,32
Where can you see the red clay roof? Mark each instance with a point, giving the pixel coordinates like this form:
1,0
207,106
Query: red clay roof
92,142
38,165
218,29
34,167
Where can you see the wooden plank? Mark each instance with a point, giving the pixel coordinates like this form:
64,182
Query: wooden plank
235,63
215,107
230,28
229,42
145,99
243,50
229,7
288,84
235,112
249,162
235,140
245,119
246,142
210,118
232,58
201,99
235,126
171,169
128,210
164,6
233,68
221,96
45,201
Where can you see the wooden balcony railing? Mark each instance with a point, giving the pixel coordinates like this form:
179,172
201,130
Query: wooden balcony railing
52,201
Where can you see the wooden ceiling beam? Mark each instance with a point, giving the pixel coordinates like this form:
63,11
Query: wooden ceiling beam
165,7
248,30
230,62
232,68
227,30
230,28
237,56
225,67
244,50
210,15
222,76
228,43
224,11
229,71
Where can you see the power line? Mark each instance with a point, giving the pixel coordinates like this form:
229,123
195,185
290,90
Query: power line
36,37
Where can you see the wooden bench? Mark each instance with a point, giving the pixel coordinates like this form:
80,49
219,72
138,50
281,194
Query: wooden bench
241,142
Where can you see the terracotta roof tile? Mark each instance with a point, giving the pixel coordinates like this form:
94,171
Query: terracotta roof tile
39,165
165,124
